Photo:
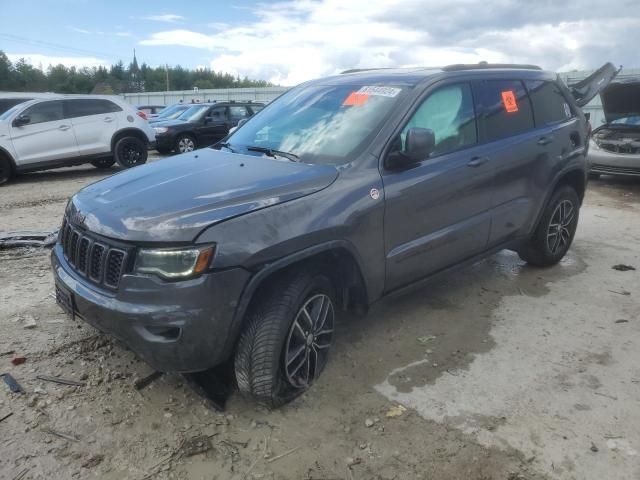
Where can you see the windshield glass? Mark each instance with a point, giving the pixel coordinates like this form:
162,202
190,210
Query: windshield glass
171,112
194,113
9,112
320,123
632,119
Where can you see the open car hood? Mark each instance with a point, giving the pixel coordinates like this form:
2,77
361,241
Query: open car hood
621,100
586,90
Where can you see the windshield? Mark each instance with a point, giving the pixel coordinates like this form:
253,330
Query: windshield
633,119
194,113
320,123
174,111
9,112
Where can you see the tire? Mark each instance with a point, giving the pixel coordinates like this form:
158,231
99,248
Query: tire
280,353
185,143
6,170
104,163
556,230
130,152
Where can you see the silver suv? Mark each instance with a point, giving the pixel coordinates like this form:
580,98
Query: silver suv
65,130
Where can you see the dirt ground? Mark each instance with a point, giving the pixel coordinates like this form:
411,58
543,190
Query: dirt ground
503,372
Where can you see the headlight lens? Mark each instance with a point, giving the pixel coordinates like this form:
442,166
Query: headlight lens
174,264
161,129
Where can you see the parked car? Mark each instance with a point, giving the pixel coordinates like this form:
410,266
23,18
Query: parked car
201,125
169,113
151,111
340,192
59,131
615,146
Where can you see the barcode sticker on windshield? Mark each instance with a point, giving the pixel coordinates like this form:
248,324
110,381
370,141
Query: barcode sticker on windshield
380,91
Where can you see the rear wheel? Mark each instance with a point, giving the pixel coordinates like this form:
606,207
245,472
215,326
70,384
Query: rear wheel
556,230
104,162
130,152
285,343
185,143
6,170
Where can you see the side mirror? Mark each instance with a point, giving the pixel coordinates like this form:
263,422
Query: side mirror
419,144
242,122
21,120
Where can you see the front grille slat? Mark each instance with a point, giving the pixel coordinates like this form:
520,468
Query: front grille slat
100,262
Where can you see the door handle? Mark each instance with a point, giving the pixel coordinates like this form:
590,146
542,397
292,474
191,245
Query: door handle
108,119
545,140
64,127
477,161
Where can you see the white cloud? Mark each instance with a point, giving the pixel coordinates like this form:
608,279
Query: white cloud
45,61
293,41
169,18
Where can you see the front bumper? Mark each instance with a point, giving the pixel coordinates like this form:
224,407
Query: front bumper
611,163
164,141
174,326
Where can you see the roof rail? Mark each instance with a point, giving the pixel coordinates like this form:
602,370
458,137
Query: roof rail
484,65
358,70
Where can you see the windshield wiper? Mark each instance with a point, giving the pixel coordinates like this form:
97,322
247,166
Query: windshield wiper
226,145
275,153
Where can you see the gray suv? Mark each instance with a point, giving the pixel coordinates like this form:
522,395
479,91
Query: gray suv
342,191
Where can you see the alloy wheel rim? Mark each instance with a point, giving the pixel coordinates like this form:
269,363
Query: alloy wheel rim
186,145
558,233
308,342
132,155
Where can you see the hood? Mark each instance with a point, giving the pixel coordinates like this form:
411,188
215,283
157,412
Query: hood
586,90
173,200
621,100
167,123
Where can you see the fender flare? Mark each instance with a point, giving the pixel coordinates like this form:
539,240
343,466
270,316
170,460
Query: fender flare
256,281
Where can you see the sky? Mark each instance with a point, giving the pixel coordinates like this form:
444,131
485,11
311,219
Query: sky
288,42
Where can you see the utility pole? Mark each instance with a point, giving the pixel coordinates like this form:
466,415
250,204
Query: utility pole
167,70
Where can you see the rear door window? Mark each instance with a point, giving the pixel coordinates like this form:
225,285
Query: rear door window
87,107
549,104
449,112
45,112
238,112
504,109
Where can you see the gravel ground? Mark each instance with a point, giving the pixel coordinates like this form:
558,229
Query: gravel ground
503,372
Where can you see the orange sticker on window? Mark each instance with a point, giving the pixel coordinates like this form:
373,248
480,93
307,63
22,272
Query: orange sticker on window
509,101
355,99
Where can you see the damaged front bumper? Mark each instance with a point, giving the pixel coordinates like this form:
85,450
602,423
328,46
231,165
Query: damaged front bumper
605,162
174,326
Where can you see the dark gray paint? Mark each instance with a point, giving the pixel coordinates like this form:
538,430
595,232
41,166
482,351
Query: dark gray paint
261,212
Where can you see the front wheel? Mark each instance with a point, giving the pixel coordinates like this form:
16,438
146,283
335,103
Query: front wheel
185,143
6,170
556,230
130,152
285,343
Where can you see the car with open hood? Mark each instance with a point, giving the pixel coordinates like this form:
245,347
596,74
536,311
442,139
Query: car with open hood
615,145
340,192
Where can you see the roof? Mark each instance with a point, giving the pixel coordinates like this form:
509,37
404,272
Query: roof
415,75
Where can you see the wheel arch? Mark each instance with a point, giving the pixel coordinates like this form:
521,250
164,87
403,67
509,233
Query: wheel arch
338,259
128,132
575,178
5,153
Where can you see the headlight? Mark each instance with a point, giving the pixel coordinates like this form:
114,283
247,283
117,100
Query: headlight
174,264
161,129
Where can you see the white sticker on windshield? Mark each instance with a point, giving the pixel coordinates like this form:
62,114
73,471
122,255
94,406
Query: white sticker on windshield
379,91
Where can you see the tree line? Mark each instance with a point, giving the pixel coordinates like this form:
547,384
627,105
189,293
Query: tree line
23,77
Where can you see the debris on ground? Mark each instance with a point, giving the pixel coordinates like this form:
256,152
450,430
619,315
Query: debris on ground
4,417
7,353
623,292
21,475
93,461
594,449
426,339
395,411
146,381
28,239
29,321
18,360
61,381
11,382
66,436
282,455
195,445
621,267
622,320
